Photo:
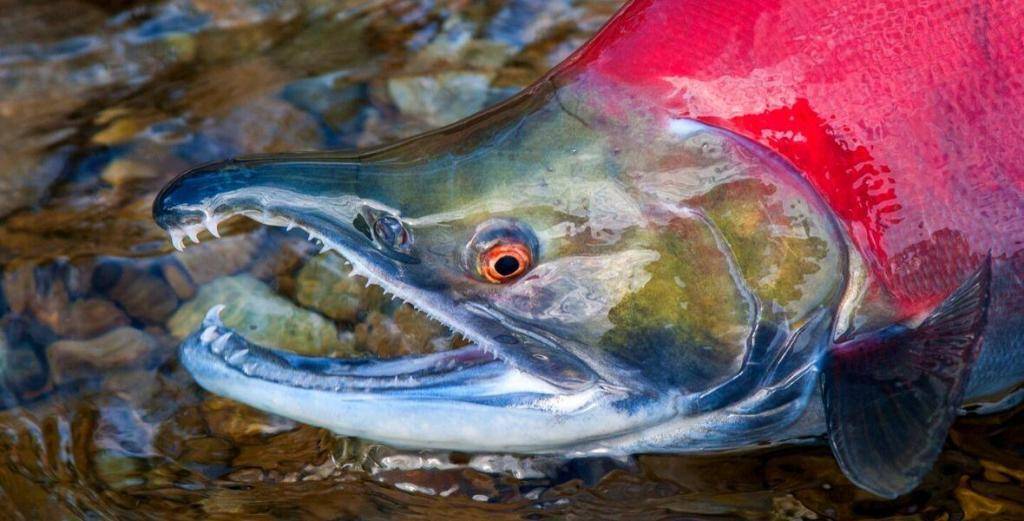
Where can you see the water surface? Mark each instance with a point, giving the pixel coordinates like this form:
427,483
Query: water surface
102,102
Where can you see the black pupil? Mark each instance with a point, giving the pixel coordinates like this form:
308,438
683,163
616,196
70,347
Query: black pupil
506,265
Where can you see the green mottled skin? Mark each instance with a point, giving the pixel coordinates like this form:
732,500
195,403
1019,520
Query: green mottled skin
684,210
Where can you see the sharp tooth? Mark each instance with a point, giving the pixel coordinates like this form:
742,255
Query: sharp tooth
212,317
209,335
324,247
178,240
250,368
193,233
237,356
211,226
218,345
290,226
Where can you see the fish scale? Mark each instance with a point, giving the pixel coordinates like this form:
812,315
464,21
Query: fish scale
945,95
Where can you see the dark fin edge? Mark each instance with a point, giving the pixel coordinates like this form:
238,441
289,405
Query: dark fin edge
891,396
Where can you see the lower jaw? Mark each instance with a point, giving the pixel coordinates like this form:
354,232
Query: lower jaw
481,405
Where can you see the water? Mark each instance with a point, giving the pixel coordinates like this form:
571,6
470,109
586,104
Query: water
101,103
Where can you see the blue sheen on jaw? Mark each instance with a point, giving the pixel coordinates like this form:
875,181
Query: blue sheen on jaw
307,175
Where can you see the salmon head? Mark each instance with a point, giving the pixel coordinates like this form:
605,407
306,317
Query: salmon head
679,240
610,275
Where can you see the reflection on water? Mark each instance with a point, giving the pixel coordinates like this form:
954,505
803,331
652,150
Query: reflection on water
102,102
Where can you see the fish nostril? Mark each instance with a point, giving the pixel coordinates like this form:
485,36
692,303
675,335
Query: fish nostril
360,224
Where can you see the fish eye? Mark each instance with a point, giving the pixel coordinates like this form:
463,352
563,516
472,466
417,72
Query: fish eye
504,262
501,251
389,232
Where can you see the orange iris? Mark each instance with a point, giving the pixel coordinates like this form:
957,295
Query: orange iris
504,262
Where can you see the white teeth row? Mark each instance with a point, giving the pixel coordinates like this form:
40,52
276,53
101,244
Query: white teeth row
209,223
211,334
218,345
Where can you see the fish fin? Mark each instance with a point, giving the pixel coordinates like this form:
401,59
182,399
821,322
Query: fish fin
891,396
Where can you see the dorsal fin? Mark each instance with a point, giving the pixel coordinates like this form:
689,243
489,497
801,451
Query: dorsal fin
891,396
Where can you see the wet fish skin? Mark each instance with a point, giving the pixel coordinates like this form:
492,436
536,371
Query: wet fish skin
752,223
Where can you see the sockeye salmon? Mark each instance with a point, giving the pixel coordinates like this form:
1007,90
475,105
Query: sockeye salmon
720,224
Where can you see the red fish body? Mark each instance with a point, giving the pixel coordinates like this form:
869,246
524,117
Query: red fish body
718,225
904,116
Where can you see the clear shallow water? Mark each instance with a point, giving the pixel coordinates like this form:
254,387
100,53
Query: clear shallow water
101,103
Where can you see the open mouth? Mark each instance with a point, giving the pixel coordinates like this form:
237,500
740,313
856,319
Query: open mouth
484,396
337,374
471,371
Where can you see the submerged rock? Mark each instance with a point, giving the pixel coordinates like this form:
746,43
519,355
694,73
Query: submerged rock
442,98
325,284
262,316
523,22
231,13
121,171
122,347
119,471
86,318
240,423
178,280
120,125
280,254
55,295
25,177
289,451
207,261
22,373
207,450
267,125
406,332
330,98
142,294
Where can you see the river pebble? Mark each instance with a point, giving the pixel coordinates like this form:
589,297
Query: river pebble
262,316
141,293
239,422
325,284
122,347
442,98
